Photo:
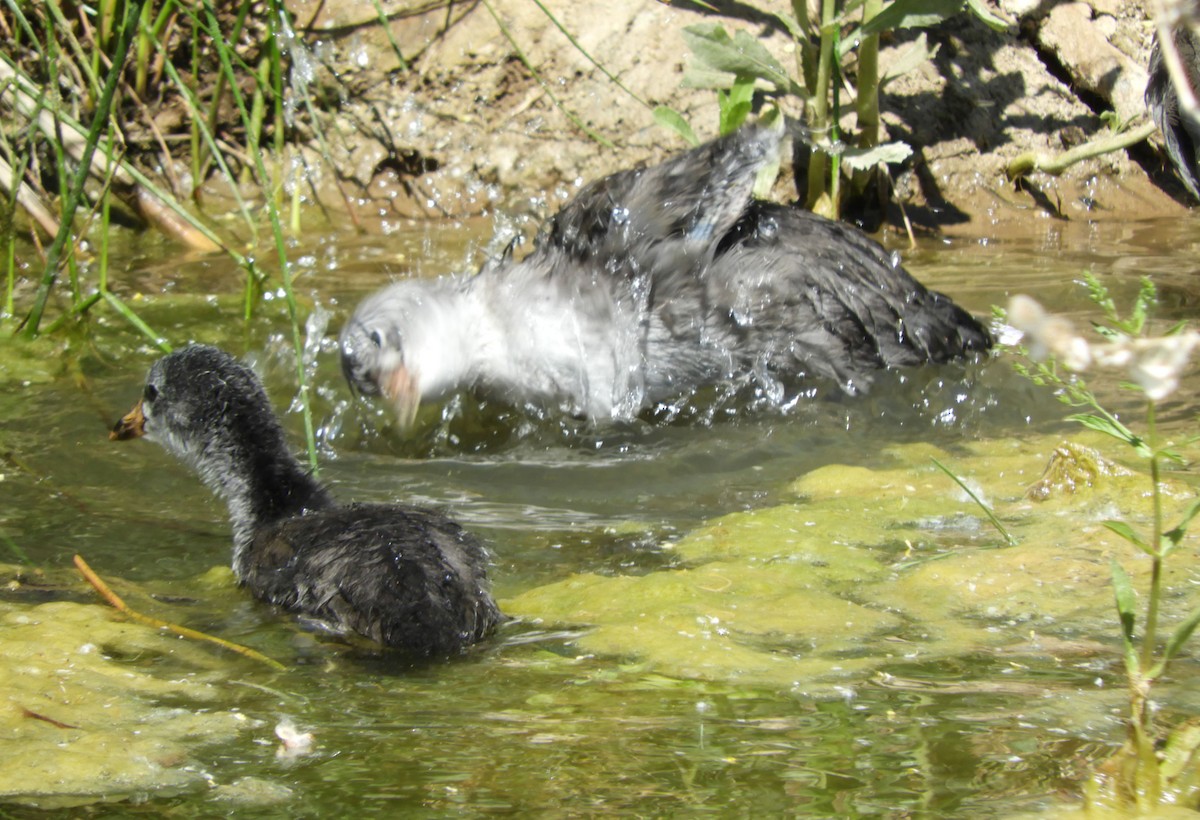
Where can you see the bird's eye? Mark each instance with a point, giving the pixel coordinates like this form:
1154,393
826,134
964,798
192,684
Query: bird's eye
376,338
150,393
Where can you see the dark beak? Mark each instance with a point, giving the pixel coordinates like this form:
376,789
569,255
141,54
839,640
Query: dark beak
131,425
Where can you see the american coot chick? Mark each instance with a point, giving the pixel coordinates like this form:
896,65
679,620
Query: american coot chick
1181,132
649,284
403,577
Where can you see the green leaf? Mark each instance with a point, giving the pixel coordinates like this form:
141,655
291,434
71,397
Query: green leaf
1009,539
1173,456
860,159
670,118
765,180
742,55
1175,535
1126,601
735,105
1125,531
1145,299
1098,293
695,76
911,14
1178,638
799,29
1109,426
849,8
990,20
918,53
1180,755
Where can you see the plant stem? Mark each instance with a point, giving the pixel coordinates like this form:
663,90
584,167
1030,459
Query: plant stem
99,123
114,600
835,131
285,267
1031,161
1149,639
386,25
1008,537
819,121
612,77
866,102
512,41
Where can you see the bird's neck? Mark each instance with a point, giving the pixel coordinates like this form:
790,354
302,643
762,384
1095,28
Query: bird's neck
454,341
556,339
524,335
261,485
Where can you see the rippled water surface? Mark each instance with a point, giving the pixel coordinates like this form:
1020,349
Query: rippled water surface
759,615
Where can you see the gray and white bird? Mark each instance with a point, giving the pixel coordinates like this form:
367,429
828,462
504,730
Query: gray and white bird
402,577
649,284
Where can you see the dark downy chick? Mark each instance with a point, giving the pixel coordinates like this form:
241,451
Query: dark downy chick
403,577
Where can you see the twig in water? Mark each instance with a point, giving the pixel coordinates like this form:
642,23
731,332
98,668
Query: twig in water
110,596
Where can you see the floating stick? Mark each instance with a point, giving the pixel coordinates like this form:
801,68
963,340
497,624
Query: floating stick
110,596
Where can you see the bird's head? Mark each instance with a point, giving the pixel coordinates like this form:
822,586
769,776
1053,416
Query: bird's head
381,348
207,408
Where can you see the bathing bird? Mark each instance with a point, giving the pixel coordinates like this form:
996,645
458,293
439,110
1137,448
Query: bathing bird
649,284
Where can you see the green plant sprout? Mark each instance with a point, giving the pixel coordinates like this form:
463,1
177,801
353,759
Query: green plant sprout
846,36
1139,777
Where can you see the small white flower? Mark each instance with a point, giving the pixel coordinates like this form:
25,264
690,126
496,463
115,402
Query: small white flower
1160,362
1048,335
294,743
1155,364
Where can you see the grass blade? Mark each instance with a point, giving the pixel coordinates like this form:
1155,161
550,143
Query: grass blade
1008,538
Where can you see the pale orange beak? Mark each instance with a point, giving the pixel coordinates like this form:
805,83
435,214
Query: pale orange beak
400,388
131,425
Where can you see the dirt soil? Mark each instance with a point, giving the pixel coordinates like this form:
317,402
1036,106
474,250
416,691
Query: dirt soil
465,125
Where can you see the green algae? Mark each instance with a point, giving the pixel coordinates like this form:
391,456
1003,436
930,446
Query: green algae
722,621
867,566
94,708
1071,468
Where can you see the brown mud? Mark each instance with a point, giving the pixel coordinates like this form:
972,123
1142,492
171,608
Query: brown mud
465,125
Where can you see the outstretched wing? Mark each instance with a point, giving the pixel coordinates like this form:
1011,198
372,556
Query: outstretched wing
687,202
646,236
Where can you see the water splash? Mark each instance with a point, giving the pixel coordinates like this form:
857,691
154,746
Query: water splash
303,67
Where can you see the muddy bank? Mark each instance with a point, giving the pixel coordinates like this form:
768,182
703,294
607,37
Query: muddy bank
463,124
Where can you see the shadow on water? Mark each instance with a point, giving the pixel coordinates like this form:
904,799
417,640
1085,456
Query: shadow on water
714,610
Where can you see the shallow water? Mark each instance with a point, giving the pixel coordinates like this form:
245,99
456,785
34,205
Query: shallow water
773,614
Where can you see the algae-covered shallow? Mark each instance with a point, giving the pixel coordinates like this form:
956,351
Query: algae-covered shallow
777,615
